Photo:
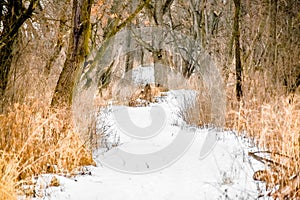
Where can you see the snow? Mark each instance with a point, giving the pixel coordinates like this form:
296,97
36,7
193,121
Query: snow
143,75
224,173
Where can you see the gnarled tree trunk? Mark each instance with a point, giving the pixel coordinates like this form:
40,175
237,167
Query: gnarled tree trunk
77,51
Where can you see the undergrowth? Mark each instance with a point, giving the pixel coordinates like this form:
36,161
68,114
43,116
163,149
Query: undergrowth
36,140
272,117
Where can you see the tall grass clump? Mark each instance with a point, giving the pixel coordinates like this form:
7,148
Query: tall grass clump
35,140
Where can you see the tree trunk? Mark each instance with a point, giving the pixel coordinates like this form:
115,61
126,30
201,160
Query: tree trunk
160,68
129,56
273,40
11,21
238,64
77,51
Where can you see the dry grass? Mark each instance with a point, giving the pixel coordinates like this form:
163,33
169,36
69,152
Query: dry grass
8,175
198,113
272,118
37,140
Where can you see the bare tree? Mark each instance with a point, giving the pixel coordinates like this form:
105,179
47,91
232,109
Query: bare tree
78,48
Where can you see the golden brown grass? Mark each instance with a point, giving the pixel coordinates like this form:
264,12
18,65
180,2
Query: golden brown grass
8,174
272,118
198,113
37,140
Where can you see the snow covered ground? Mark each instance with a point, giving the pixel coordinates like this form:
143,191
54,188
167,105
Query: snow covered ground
225,173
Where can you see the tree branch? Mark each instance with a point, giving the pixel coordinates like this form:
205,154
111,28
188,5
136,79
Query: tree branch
117,28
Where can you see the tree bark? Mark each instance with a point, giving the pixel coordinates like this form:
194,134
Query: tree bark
77,51
238,63
273,39
129,56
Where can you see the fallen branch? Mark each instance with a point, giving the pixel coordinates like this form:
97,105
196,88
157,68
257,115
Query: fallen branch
266,161
288,187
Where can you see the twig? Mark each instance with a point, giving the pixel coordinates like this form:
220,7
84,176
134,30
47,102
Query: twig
265,160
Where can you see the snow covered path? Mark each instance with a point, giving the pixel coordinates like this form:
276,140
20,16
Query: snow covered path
226,173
